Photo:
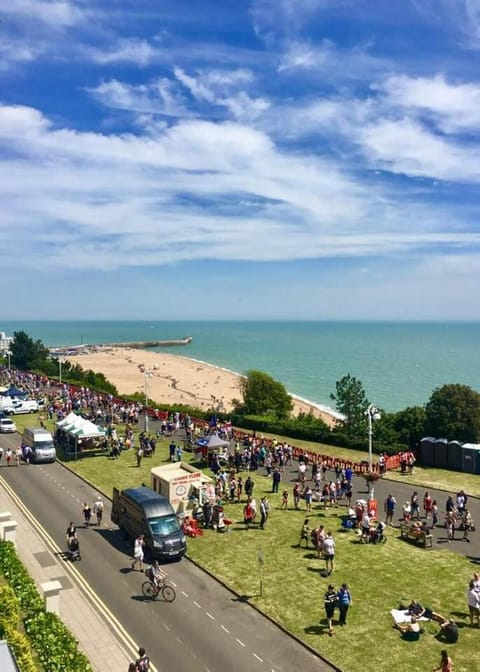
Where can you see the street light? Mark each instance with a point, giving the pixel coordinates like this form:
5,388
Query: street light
372,415
146,373
59,371
9,354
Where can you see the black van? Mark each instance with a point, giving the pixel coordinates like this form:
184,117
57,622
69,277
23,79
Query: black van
143,511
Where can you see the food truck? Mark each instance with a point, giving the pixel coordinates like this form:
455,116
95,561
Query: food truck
184,486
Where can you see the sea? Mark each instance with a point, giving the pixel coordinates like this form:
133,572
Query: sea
399,364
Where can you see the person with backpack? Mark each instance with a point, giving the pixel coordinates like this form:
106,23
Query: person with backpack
344,600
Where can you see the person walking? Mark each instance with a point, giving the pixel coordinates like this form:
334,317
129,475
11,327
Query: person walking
143,662
329,552
87,513
276,478
304,533
330,602
263,512
138,552
297,492
308,495
139,455
446,664
434,513
467,524
390,504
98,510
248,513
284,500
473,599
344,598
427,506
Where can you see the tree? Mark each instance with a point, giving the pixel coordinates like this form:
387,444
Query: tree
262,395
410,425
27,354
351,400
453,412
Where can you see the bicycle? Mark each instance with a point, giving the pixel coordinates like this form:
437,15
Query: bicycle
152,591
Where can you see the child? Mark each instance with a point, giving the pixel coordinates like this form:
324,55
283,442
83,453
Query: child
304,533
284,500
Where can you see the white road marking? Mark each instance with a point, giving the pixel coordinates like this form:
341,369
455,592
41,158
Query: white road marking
184,593
210,616
196,604
166,627
224,628
240,642
258,657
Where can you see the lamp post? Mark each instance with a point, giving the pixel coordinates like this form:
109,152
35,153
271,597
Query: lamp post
146,373
60,371
372,414
9,354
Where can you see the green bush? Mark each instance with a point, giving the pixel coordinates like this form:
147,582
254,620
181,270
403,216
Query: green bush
54,645
20,647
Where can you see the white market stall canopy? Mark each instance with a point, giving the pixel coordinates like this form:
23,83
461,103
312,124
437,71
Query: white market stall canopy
77,426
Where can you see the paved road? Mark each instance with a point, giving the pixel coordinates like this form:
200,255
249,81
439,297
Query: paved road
206,628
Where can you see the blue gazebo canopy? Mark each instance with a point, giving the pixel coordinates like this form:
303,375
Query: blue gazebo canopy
14,392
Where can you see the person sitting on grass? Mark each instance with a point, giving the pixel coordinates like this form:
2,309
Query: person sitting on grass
448,631
410,631
415,609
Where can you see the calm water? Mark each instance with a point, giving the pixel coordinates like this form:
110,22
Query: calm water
399,364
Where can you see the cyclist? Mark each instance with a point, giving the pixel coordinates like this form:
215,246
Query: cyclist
156,574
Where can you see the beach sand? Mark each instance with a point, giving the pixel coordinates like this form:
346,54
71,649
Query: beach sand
173,379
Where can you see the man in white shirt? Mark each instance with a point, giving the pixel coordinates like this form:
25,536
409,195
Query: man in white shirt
329,552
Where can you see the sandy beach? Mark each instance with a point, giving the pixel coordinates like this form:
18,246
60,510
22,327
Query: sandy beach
173,379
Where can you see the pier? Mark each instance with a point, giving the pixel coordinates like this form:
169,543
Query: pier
138,345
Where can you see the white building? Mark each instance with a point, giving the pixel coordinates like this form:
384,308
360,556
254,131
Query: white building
5,341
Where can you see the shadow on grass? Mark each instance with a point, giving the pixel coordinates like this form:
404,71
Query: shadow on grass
321,629
459,614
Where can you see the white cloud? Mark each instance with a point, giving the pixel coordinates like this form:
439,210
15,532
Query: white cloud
405,146
139,52
54,13
16,51
159,97
220,88
455,107
95,201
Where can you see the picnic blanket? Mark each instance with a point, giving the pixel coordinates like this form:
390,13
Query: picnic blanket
402,616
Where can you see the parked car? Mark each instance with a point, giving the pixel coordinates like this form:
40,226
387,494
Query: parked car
27,406
7,425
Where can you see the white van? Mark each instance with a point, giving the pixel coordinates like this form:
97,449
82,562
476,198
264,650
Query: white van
25,406
41,443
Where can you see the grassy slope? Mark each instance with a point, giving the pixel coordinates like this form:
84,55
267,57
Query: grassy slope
379,576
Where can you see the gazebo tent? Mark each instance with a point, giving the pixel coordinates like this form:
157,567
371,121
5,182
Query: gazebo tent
14,392
77,429
210,444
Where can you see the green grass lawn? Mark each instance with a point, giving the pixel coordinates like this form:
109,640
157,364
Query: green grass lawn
380,577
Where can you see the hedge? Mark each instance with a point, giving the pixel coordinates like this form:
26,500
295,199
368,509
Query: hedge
54,645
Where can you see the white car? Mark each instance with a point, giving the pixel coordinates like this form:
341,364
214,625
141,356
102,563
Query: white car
26,406
7,425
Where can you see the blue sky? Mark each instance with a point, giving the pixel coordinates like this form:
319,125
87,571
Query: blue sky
283,159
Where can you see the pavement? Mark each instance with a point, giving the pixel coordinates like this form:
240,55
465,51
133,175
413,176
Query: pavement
95,637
